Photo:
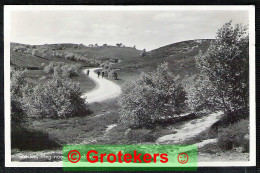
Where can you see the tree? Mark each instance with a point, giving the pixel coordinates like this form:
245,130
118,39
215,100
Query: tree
119,44
226,66
153,96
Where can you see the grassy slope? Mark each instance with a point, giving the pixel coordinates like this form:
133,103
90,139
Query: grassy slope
179,55
175,54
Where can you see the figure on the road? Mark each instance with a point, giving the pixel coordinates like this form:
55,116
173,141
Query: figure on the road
115,75
103,74
87,72
98,73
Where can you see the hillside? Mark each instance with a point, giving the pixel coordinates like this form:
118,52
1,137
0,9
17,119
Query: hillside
27,60
180,56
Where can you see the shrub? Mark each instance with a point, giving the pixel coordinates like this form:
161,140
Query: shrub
18,84
20,49
57,98
62,68
152,97
36,52
235,135
70,56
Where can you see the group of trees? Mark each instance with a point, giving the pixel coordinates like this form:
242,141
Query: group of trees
59,97
222,83
76,57
20,49
66,70
106,45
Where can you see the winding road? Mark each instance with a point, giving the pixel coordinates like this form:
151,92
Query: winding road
105,89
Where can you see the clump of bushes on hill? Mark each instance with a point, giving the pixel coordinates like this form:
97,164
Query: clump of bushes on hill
65,69
57,98
234,136
76,57
36,52
20,49
152,97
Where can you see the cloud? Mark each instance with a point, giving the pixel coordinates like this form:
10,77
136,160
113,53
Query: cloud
145,29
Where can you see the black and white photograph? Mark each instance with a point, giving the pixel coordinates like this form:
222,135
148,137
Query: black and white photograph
133,75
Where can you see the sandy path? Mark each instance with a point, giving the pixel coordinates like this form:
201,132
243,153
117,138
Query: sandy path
191,129
105,89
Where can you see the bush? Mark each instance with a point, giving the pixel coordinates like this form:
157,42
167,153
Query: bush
20,49
70,56
152,97
27,139
235,135
57,98
62,68
36,52
18,84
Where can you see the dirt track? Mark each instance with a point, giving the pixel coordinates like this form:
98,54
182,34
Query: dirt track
105,89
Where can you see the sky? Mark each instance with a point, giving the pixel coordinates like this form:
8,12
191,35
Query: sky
145,29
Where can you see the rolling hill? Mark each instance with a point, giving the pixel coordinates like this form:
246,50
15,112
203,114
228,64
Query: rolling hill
180,56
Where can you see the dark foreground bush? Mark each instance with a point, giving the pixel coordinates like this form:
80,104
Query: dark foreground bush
141,135
235,135
57,98
24,139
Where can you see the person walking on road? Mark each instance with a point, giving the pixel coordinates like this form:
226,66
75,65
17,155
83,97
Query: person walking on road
115,75
98,73
103,74
87,72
